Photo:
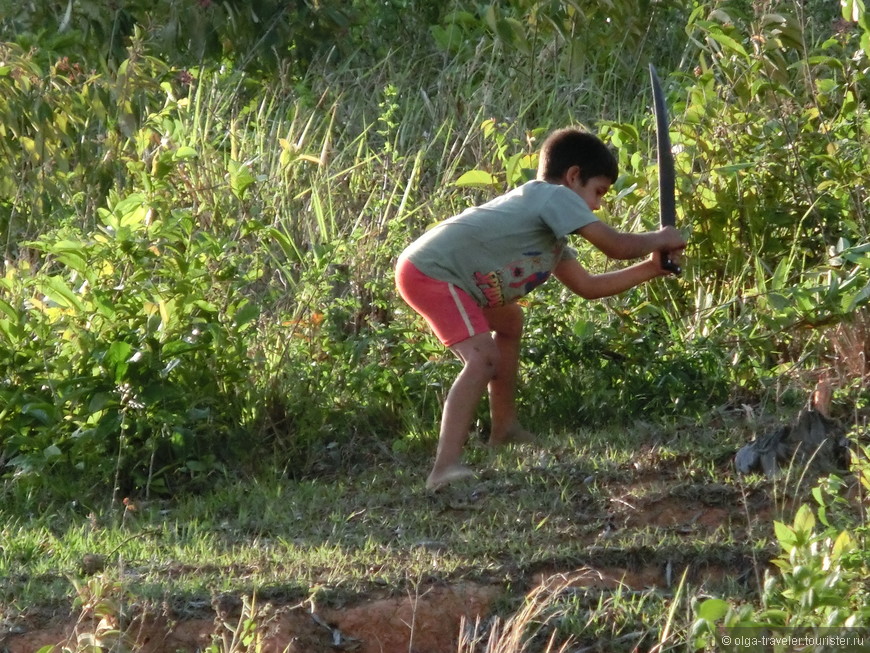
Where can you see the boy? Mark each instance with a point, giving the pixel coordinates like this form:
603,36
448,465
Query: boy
465,275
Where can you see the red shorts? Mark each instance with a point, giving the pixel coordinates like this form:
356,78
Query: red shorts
451,312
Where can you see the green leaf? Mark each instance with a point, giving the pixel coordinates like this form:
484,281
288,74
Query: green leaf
511,169
781,274
784,535
736,167
286,244
6,308
843,544
713,609
804,521
727,42
184,153
131,211
490,17
240,178
825,60
118,352
853,10
778,302
57,290
77,262
116,359
99,401
823,516
52,451
805,301
488,127
196,466
13,334
248,312
42,411
774,616
851,302
72,253
512,32
477,179
449,38
206,306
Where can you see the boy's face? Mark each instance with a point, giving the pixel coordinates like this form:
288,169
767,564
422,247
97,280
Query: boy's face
592,191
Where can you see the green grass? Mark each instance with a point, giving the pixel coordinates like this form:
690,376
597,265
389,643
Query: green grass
577,500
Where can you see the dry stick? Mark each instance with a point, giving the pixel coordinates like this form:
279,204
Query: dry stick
414,601
130,538
749,523
116,483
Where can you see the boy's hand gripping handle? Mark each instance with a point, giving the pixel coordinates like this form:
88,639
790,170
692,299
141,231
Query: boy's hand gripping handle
667,201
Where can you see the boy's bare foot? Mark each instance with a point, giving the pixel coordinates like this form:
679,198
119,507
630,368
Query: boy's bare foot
438,480
515,434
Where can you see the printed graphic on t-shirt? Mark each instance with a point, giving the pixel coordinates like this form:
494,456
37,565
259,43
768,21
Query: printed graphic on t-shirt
490,285
516,279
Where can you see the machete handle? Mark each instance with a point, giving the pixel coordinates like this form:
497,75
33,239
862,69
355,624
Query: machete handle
670,266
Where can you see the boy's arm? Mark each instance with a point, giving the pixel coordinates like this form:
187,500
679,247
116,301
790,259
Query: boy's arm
623,245
594,286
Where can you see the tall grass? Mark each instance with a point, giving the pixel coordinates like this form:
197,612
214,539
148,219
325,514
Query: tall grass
292,196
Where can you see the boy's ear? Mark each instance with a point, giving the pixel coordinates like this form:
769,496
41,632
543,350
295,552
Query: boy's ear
572,174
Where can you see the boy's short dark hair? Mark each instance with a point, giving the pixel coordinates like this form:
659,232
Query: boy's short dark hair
574,147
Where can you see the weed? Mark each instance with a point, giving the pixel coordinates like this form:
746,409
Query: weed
814,586
514,635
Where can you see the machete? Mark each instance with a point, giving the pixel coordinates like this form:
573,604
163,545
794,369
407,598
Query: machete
667,202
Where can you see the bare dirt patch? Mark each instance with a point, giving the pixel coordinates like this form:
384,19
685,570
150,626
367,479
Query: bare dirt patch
425,620
687,508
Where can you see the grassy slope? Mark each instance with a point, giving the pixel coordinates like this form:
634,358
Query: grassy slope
641,505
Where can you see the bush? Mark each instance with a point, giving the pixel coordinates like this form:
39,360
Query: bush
199,260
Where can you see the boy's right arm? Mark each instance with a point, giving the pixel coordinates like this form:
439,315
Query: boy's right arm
623,245
594,286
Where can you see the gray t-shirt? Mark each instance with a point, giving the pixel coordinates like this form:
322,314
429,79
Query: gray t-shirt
502,250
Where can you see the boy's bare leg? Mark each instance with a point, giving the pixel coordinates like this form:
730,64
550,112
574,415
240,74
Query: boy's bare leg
480,357
507,323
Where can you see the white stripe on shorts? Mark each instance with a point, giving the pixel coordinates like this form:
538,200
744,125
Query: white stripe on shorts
461,308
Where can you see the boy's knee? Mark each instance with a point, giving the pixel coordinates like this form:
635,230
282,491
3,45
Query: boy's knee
486,361
482,358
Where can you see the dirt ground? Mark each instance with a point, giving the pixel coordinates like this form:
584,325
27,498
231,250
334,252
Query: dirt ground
427,620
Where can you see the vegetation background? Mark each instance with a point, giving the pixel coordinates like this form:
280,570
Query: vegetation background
201,203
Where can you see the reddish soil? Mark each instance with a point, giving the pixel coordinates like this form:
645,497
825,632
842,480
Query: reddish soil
427,622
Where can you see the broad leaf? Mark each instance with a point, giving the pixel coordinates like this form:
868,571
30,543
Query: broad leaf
713,609
477,179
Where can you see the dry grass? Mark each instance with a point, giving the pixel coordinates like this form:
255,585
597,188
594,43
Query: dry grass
514,635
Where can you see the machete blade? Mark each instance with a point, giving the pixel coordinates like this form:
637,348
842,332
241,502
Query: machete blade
667,201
